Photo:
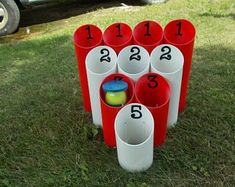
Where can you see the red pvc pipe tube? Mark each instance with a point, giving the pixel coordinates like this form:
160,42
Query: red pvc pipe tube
109,112
153,91
181,33
148,34
85,38
118,36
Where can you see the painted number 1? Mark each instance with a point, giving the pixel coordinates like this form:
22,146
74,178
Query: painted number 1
147,29
136,111
179,25
89,32
119,30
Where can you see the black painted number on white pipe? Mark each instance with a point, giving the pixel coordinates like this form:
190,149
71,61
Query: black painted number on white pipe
166,55
136,54
105,57
136,111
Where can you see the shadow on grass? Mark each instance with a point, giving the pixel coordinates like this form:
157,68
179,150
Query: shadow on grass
45,14
34,21
217,15
211,83
219,53
41,73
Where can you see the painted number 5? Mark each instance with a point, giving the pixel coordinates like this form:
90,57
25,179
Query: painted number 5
136,111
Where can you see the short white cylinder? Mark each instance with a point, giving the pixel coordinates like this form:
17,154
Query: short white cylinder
133,61
134,129
168,61
100,62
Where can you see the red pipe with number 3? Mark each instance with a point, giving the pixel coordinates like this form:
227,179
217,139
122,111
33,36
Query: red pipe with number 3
153,91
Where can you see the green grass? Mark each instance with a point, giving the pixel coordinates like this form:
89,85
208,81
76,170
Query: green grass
47,139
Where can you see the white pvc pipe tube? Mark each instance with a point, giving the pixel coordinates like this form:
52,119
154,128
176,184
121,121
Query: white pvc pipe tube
100,62
134,129
168,61
133,61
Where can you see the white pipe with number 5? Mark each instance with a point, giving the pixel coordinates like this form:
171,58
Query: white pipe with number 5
134,129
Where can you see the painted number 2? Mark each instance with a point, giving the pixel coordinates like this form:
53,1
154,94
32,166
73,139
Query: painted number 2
166,55
136,111
136,54
105,57
152,81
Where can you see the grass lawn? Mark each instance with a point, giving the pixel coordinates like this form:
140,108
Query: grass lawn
47,140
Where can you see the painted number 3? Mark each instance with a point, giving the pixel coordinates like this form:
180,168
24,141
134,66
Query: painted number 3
152,81
166,53
136,111
118,78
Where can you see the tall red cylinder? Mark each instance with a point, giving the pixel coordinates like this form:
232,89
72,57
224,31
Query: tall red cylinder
85,38
181,34
109,112
153,91
118,36
148,34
